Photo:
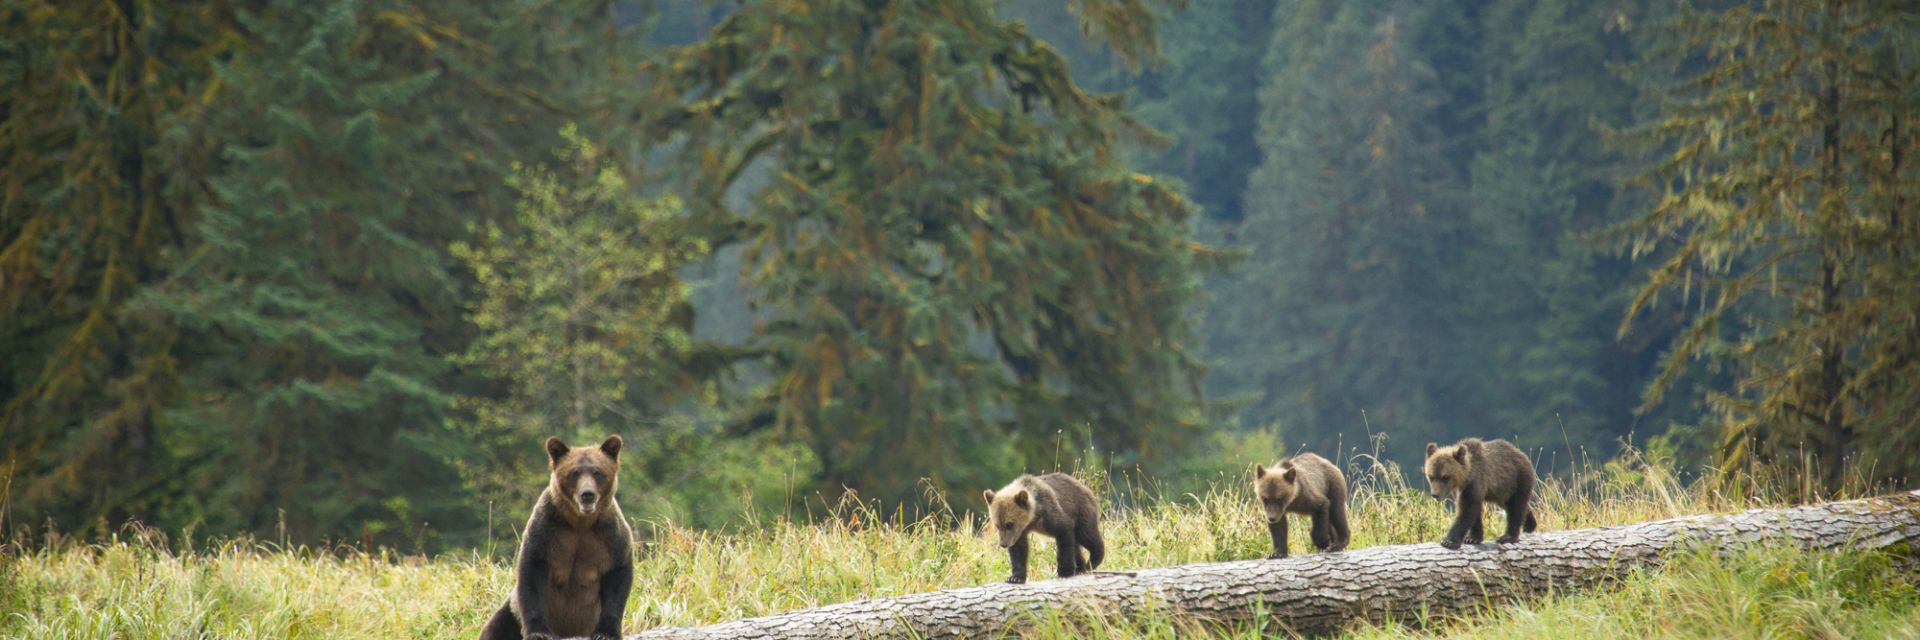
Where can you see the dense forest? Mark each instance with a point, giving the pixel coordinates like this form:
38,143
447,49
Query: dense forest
331,271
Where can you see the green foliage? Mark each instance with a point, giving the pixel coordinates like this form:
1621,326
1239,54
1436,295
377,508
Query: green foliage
236,317
1783,228
1344,288
582,316
1421,232
585,321
262,268
99,162
953,266
1543,185
1213,68
291,315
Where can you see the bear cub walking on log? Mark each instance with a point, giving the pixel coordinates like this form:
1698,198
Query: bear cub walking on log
1308,485
1476,472
1056,505
576,556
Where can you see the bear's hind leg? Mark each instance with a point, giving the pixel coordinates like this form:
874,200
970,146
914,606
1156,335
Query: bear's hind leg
503,626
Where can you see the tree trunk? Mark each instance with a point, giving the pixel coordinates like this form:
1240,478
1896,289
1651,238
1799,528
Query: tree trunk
1320,593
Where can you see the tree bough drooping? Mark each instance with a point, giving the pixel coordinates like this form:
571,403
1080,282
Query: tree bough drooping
952,263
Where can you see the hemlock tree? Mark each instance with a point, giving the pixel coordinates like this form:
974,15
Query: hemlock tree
958,274
1785,221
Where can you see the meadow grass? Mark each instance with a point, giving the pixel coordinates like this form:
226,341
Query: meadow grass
136,585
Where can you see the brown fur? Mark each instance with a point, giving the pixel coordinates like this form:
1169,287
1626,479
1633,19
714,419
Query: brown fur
1308,485
1055,505
1475,472
576,558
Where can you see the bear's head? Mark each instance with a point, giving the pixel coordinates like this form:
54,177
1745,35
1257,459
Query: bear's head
1447,469
1010,512
584,477
1276,488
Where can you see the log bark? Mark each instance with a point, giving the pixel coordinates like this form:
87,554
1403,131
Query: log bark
1320,593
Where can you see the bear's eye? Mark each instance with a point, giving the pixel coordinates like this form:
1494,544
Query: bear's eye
1006,525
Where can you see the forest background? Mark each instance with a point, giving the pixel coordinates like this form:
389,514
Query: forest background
331,271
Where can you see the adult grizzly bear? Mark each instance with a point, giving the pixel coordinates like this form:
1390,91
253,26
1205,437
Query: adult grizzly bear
576,558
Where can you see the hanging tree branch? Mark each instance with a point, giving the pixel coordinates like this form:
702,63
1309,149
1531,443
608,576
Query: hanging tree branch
1320,593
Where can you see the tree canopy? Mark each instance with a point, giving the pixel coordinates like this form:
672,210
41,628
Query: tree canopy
331,271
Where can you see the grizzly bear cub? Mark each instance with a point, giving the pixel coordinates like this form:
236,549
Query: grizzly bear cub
1056,505
1308,485
576,557
1474,472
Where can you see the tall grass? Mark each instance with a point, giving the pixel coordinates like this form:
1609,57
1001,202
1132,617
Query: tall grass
138,585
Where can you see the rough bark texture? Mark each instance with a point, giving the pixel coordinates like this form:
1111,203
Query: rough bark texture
1319,593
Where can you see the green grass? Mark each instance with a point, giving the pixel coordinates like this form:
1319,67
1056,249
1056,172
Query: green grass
1762,592
135,586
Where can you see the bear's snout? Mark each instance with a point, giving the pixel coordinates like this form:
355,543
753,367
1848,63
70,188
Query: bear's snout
587,495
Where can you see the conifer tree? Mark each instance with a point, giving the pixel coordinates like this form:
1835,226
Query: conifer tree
957,273
1348,223
1544,355
1205,98
1784,225
100,155
230,220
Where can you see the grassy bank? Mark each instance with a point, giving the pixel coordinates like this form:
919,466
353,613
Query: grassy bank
135,586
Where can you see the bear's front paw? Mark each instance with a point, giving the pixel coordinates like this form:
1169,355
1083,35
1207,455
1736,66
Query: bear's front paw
1277,555
1508,539
1017,580
606,636
539,635
1450,544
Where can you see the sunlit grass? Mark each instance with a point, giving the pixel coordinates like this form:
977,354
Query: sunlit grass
1762,592
137,587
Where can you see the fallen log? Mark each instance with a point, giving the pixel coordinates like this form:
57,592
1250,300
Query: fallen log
1319,593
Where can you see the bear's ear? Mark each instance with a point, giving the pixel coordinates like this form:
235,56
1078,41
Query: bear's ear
1290,474
1460,454
1431,447
555,451
988,494
611,447
1259,471
1020,500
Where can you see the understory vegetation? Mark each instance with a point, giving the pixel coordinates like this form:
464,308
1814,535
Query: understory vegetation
141,584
